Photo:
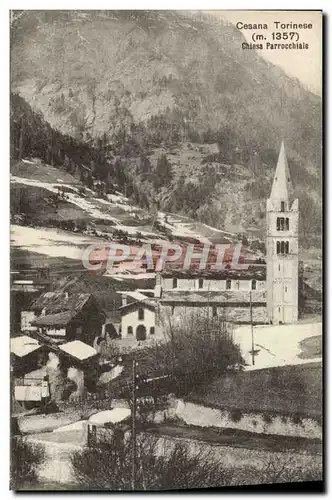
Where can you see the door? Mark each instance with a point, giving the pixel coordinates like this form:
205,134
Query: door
141,332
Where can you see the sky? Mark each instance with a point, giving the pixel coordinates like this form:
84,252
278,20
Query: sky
306,65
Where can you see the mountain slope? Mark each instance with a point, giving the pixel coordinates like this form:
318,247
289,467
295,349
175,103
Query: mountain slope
149,83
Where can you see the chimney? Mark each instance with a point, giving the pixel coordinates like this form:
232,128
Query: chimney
124,299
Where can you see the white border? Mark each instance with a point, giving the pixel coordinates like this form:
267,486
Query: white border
4,198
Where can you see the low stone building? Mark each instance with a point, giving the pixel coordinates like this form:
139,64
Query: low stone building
236,296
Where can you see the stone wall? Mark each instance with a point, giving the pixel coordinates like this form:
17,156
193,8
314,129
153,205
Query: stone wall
202,416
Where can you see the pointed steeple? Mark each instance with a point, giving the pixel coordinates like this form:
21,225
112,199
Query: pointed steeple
282,189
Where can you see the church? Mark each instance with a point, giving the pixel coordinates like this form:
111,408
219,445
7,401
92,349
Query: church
264,293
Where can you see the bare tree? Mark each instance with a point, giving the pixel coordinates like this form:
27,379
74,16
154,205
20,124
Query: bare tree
161,465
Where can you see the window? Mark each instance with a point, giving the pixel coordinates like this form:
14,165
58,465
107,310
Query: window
253,285
141,314
130,330
228,284
200,283
152,330
286,246
278,267
214,311
173,310
282,247
175,283
282,224
286,289
282,207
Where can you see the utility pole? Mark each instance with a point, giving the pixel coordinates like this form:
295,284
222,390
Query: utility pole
252,332
133,437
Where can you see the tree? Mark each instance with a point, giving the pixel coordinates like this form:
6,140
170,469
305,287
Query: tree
160,466
195,351
163,172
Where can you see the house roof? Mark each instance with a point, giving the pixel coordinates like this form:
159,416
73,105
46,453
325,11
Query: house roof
78,350
57,302
45,300
23,345
149,304
257,272
221,297
58,320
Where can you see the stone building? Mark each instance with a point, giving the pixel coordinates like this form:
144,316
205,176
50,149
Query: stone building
261,294
282,210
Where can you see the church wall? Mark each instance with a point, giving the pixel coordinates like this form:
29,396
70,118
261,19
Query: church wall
210,284
177,315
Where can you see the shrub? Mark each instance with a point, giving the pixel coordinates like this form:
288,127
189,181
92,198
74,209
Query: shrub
235,415
26,458
194,352
267,418
160,466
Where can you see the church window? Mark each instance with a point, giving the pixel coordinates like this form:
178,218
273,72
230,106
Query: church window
278,223
282,224
253,285
282,207
175,283
278,246
200,283
279,267
287,247
282,247
141,314
285,288
228,284
287,224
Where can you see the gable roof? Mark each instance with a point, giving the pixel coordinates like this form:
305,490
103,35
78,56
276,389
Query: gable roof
57,302
78,349
57,320
148,304
23,345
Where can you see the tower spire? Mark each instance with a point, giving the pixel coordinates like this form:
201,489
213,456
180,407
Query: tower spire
282,186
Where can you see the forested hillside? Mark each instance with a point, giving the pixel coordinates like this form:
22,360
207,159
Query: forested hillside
166,106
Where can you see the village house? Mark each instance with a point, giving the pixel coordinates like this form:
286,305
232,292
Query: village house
65,317
138,318
26,354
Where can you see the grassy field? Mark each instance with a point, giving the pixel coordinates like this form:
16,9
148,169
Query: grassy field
36,169
286,390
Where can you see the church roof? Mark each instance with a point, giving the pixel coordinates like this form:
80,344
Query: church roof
282,188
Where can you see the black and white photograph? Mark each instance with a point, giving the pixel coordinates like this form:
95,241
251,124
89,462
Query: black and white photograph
166,250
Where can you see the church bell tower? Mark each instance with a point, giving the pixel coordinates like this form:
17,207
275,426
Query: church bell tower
282,217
